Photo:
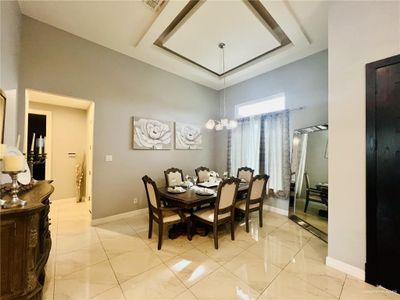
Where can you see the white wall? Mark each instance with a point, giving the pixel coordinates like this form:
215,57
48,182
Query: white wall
359,33
304,82
68,135
57,62
10,23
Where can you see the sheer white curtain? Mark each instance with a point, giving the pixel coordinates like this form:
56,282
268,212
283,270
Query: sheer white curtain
245,145
299,159
276,151
302,163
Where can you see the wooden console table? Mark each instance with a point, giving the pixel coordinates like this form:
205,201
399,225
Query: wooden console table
25,244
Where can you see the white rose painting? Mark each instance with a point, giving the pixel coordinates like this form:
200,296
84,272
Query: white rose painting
187,136
151,134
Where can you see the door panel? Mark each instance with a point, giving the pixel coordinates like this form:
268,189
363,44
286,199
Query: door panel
388,176
383,245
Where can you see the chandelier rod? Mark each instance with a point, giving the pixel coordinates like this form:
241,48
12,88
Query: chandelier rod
222,46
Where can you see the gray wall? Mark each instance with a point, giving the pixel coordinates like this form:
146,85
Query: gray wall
304,82
10,27
359,32
57,62
68,134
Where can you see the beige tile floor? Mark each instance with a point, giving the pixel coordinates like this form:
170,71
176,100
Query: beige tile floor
117,261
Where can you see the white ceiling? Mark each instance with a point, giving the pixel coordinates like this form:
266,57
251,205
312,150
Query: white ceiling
130,27
243,42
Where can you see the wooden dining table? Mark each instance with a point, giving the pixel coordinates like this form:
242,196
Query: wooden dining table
190,199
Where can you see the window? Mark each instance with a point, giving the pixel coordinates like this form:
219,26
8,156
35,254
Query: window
261,106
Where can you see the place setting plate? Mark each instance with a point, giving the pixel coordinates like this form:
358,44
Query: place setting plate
176,190
205,192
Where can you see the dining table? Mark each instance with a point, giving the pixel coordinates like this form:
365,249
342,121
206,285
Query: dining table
190,200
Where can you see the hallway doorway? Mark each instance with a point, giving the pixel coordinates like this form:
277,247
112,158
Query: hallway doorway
64,125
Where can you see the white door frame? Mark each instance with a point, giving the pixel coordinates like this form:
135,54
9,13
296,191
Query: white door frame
89,154
48,145
72,103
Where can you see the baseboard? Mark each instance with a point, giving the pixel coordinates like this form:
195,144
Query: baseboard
119,216
345,268
276,210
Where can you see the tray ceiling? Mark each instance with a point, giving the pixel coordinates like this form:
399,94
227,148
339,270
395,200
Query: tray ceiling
183,36
255,34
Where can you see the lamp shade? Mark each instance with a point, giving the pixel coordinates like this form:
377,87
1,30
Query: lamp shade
219,127
225,122
232,124
210,124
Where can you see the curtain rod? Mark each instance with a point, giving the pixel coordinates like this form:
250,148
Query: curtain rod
274,112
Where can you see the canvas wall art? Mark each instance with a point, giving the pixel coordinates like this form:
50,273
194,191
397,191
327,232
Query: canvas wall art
151,134
187,136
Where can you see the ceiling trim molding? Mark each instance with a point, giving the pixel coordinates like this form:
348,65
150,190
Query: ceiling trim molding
255,6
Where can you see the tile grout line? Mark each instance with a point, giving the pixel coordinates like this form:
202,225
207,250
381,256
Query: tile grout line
221,265
108,258
344,282
284,266
302,278
243,250
164,263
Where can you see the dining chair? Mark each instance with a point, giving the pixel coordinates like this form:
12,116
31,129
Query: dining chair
203,174
223,211
245,173
173,176
163,216
255,198
313,195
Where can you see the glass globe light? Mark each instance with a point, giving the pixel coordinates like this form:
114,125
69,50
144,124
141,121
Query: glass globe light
210,124
219,127
225,122
233,124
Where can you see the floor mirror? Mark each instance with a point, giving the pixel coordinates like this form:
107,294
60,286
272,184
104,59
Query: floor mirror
308,205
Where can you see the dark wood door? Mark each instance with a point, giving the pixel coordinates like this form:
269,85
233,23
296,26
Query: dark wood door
383,173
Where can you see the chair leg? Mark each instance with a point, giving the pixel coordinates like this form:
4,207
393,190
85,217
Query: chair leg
232,229
150,227
189,229
306,206
261,215
246,217
160,235
215,229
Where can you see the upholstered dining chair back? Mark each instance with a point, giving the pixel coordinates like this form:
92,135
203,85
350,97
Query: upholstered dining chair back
245,173
227,192
258,187
254,199
203,174
173,176
307,178
151,192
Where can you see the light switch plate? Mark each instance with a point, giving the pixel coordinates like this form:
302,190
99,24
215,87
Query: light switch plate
109,157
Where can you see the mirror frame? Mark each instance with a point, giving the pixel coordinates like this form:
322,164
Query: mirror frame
3,114
292,196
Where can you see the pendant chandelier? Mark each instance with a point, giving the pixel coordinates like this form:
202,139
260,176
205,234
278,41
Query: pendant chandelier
224,122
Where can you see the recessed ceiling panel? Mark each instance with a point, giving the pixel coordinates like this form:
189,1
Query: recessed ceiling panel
245,27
